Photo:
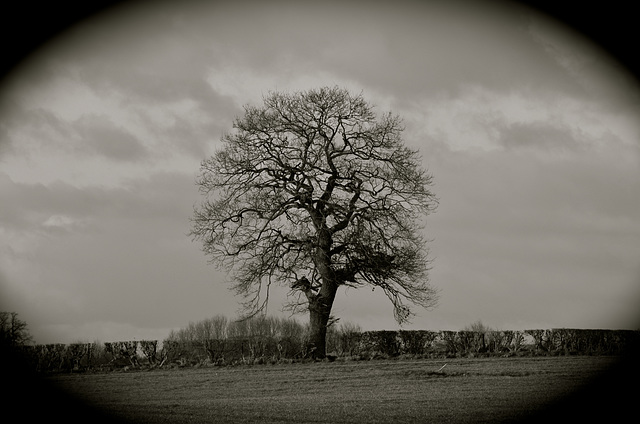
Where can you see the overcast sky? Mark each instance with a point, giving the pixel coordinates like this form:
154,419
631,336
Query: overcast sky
530,131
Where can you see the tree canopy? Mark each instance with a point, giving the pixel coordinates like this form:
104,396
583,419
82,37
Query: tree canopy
314,191
13,331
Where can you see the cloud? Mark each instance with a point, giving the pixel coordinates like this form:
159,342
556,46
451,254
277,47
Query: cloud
71,133
590,68
536,169
536,236
540,122
99,135
130,261
538,136
60,223
23,130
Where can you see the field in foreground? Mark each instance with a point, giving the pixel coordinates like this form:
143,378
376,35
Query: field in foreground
465,390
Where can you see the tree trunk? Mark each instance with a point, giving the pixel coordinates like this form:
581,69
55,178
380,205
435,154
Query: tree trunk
319,313
320,304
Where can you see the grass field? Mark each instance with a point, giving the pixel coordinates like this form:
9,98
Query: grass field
390,391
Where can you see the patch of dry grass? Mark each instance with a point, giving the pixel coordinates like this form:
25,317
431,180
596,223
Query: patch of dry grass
464,391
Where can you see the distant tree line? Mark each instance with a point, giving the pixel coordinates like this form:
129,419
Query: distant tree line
263,340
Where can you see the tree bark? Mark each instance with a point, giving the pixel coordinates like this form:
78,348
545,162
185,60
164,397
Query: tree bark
319,313
320,304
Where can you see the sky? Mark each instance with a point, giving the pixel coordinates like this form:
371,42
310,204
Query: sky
529,129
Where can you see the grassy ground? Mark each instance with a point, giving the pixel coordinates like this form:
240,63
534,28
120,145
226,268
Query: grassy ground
407,391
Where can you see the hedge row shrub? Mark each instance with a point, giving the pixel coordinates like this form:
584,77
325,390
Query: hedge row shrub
347,343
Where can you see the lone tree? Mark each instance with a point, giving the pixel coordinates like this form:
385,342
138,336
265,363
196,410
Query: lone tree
314,192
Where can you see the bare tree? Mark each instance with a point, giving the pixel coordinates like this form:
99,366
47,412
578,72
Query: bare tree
13,331
314,192
475,336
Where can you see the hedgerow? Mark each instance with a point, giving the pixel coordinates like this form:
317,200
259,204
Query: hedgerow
269,340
